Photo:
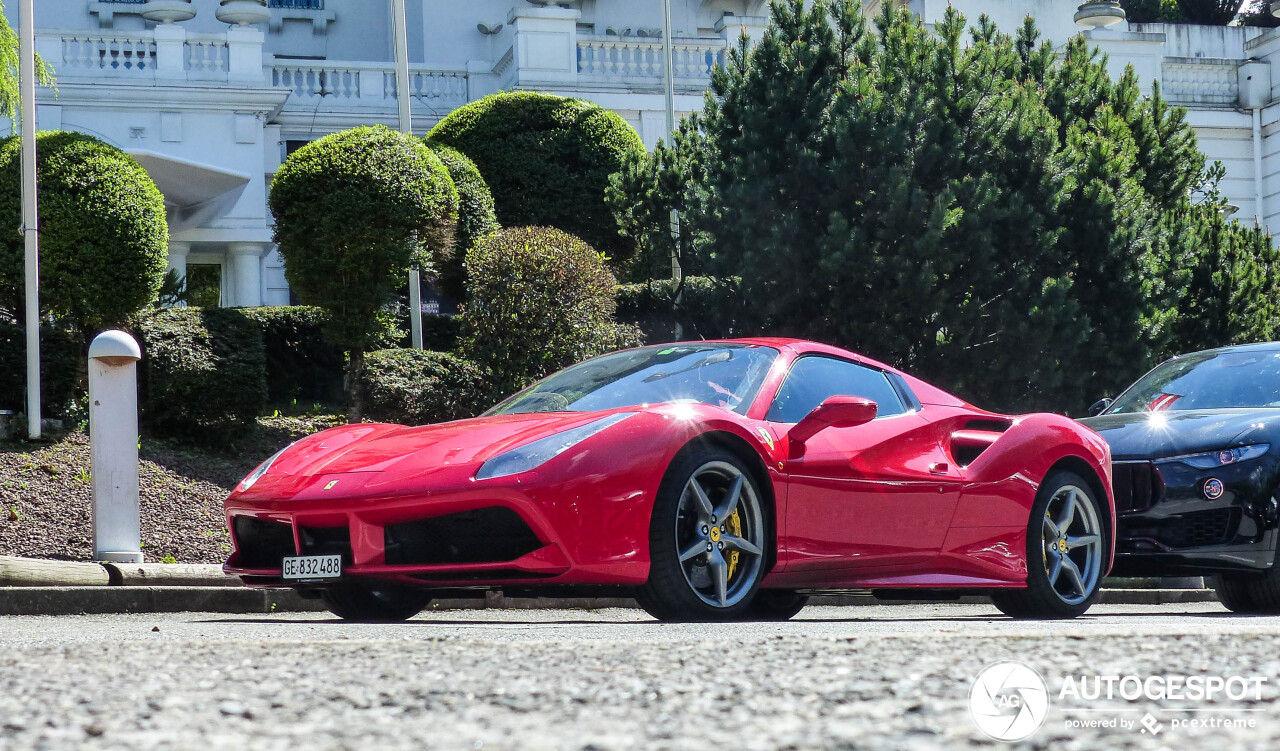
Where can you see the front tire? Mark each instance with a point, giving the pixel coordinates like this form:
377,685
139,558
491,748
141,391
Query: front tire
707,539
1066,552
1250,593
366,604
776,605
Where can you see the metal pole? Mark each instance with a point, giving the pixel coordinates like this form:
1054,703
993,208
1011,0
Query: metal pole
401,41
668,82
30,221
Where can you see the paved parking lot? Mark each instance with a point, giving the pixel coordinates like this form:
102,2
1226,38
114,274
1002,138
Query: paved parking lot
876,677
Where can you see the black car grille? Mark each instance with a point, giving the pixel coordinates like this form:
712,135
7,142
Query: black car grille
487,535
1200,528
326,541
1137,486
262,543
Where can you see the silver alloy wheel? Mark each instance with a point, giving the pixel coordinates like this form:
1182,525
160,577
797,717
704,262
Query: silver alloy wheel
1072,544
716,499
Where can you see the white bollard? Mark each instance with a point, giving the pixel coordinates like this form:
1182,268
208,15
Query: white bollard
113,440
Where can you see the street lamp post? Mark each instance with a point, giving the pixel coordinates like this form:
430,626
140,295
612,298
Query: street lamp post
401,43
668,81
31,239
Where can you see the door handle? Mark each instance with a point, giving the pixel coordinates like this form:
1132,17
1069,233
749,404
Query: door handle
939,468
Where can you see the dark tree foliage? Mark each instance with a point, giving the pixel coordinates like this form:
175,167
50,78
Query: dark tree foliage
547,159
354,212
974,206
476,218
104,240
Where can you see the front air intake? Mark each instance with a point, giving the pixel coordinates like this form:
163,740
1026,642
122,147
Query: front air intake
487,535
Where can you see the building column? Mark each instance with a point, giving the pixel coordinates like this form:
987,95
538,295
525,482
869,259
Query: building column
178,261
246,273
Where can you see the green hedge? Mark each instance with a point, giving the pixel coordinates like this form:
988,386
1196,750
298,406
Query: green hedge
476,218
547,160
203,373
708,308
59,368
301,363
416,387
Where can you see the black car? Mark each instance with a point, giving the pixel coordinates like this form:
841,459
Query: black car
1195,445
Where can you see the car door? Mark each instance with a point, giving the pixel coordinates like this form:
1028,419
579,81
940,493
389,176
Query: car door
879,494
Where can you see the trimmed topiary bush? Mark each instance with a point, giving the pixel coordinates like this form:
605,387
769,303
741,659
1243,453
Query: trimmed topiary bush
203,372
540,299
104,242
415,387
301,363
59,368
547,160
354,211
476,218
709,308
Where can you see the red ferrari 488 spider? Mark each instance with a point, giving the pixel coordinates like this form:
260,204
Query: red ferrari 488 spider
711,480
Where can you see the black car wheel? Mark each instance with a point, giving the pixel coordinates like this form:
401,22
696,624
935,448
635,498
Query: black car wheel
706,540
1250,593
776,605
365,604
1066,551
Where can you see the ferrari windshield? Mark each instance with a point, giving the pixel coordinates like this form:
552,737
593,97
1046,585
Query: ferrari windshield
722,374
1206,380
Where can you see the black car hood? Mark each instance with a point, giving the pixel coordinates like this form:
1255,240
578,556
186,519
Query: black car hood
1148,435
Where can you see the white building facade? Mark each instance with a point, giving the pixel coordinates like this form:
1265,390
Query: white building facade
211,97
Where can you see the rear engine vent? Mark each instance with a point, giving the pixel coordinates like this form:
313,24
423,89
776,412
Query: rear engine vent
326,541
1137,486
975,437
262,543
487,535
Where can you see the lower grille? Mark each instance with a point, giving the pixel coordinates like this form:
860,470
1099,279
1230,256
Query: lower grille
1137,486
262,543
1199,528
487,535
326,541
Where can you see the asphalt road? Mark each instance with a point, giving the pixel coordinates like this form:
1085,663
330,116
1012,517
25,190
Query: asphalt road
856,677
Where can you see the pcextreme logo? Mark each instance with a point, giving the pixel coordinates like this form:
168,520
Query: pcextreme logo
1009,701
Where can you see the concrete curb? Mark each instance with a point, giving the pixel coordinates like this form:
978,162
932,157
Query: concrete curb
39,572
30,600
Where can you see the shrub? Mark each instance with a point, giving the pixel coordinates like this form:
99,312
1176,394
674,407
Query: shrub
709,308
59,368
203,372
417,386
547,160
301,363
476,218
104,242
354,211
540,299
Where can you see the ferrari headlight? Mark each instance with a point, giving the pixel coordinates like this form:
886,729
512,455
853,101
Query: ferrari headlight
257,474
539,452
1215,459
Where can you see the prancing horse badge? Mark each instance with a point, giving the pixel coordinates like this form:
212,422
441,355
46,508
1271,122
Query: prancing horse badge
330,485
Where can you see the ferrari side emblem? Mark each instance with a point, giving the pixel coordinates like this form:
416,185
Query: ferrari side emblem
766,436
331,484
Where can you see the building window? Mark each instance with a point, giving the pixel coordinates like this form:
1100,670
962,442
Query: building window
204,285
303,4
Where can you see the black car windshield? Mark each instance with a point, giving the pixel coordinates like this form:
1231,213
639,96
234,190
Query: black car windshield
1206,380
721,374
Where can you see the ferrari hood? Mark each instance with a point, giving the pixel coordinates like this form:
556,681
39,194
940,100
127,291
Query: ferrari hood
1151,435
380,448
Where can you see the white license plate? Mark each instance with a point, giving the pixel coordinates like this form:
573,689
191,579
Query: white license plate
313,567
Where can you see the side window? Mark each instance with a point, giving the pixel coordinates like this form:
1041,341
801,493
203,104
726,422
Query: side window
813,379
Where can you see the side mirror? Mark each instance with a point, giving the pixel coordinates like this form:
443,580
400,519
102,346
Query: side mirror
835,412
1100,406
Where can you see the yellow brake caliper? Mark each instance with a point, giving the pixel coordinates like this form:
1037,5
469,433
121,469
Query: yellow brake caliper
734,526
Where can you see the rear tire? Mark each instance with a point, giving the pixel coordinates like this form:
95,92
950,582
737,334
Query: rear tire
1066,548
365,604
707,539
776,605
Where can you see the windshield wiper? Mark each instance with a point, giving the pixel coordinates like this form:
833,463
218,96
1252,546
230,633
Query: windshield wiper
723,355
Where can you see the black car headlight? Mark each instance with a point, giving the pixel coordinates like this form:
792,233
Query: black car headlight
1223,457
